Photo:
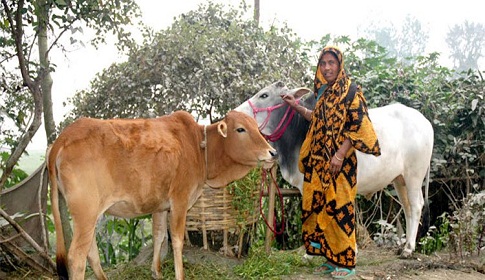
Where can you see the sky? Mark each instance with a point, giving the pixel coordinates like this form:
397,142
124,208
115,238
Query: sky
310,19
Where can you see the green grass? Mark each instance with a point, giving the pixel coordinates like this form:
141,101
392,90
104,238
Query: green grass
258,265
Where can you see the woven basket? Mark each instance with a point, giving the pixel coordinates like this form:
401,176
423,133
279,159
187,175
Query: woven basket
214,211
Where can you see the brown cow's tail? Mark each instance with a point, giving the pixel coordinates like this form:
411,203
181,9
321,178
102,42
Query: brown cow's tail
61,258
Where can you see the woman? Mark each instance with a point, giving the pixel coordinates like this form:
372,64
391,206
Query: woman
339,124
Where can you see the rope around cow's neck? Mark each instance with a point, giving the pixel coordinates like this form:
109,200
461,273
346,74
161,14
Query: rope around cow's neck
203,145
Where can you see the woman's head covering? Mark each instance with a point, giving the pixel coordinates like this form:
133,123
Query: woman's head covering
319,80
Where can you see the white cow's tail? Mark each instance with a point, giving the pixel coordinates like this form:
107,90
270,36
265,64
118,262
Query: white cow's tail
426,217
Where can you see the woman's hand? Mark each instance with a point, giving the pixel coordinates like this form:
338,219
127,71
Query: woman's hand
336,164
289,99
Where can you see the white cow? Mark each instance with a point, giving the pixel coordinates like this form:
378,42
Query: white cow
405,137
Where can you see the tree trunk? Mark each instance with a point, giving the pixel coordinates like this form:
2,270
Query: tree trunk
46,85
256,11
45,73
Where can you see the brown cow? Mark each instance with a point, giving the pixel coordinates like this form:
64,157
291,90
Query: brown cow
129,168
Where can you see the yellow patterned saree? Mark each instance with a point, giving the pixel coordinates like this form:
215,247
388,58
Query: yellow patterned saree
328,213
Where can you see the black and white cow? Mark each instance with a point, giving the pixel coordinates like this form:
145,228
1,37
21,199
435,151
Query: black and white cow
405,137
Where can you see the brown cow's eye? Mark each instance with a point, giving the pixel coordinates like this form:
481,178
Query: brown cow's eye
239,130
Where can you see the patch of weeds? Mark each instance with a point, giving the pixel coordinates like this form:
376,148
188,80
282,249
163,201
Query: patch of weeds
260,265
201,270
463,232
129,271
387,235
206,270
437,237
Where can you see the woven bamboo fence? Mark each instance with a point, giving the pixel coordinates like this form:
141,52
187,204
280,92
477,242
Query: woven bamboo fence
214,211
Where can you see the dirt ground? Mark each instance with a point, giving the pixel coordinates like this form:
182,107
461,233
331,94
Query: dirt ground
374,263
378,263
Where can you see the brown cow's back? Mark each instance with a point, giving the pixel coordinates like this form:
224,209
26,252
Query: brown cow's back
131,156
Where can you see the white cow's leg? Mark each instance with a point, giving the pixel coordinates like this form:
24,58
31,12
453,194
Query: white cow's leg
159,231
416,202
94,261
402,193
177,228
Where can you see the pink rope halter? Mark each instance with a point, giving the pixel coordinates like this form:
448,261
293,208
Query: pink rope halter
282,125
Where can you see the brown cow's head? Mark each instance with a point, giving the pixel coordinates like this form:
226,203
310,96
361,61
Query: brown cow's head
243,141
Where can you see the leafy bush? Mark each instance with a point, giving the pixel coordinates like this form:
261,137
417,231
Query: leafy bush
120,240
437,237
463,232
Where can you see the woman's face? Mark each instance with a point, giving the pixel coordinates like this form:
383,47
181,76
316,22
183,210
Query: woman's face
329,67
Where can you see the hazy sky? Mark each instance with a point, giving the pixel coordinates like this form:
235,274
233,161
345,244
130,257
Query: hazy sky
310,19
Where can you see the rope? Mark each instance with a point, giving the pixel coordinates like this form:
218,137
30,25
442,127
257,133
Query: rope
282,125
203,145
263,180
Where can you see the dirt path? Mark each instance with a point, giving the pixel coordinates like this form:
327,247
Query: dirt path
378,263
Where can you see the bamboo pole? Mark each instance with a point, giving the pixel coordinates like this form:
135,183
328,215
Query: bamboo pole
271,204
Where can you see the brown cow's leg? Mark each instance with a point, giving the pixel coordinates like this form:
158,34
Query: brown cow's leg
159,231
177,228
95,262
83,233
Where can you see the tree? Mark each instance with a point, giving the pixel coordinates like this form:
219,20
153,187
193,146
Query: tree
408,41
466,43
413,38
204,63
25,28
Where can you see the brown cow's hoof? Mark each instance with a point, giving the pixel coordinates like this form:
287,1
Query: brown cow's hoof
156,275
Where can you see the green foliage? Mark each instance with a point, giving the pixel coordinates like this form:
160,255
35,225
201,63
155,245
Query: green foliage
437,237
259,265
15,109
245,194
120,240
468,226
204,63
386,235
17,174
104,17
462,232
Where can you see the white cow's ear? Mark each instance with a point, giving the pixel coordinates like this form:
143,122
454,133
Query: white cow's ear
299,92
222,128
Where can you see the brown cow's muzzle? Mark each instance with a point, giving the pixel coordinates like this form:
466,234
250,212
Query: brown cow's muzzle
271,160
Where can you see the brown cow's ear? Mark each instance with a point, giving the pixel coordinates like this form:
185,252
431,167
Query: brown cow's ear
222,128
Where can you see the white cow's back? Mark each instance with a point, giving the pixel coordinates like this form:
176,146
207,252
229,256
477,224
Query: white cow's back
406,140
